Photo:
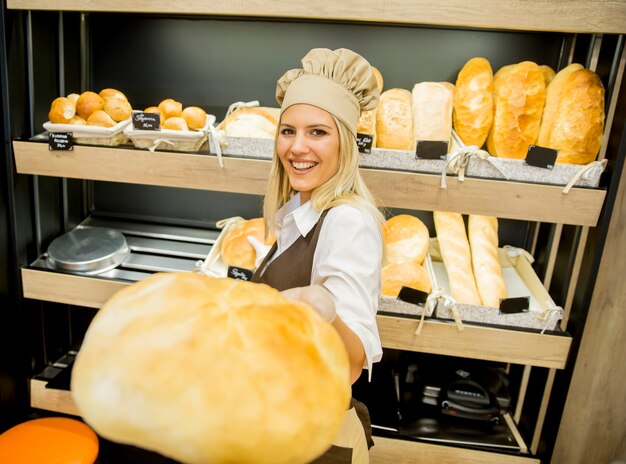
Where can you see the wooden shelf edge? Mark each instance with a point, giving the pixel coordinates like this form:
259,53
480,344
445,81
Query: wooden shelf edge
395,189
51,399
385,451
393,451
437,337
592,16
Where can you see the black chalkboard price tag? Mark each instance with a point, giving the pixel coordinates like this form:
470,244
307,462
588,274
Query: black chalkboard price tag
60,141
541,157
514,305
412,295
364,142
146,121
431,149
240,273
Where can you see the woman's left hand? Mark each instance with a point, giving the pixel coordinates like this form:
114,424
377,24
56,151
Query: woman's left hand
315,296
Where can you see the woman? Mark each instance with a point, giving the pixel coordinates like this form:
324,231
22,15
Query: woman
329,245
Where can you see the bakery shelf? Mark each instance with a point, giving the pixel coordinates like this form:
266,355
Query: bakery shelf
51,399
395,189
398,332
600,16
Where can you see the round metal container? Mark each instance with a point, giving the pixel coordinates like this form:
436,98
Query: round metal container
88,251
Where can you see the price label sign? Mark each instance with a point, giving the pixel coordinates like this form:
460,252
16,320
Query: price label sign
60,141
412,295
239,273
514,305
541,157
146,121
431,149
364,142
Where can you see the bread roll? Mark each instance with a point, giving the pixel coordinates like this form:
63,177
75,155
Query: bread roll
61,111
236,250
394,120
100,118
473,102
432,111
87,103
456,255
553,100
409,274
77,120
579,123
207,370
73,98
175,123
483,239
155,109
548,74
519,96
171,108
112,93
406,239
195,117
117,108
250,122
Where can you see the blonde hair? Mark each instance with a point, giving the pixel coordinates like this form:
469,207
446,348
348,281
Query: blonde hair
345,187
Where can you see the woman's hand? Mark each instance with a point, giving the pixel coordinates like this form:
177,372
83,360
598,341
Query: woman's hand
315,296
260,248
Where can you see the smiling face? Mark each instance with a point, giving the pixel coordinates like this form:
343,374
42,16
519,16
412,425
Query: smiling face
308,147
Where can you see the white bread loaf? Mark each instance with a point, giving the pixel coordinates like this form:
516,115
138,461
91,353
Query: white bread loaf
553,99
432,111
483,239
408,274
250,122
519,97
236,249
456,255
579,122
207,370
406,239
394,120
473,102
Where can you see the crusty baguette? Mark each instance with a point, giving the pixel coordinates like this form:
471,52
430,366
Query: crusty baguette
473,102
483,239
456,255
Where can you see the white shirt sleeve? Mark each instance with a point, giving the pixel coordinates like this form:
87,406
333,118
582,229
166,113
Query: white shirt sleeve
347,262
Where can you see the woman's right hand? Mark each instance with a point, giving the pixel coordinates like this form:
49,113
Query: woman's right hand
260,248
315,296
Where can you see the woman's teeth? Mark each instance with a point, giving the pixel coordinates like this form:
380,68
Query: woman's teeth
301,166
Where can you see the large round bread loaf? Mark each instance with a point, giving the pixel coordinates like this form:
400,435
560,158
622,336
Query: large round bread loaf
236,250
406,239
208,370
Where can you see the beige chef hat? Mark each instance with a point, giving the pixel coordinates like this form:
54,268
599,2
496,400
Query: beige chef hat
338,81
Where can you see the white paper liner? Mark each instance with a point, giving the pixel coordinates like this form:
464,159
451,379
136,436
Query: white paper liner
92,135
167,139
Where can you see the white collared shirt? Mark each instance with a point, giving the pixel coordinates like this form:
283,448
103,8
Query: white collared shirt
347,262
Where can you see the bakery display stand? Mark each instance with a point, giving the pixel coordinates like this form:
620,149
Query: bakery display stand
580,207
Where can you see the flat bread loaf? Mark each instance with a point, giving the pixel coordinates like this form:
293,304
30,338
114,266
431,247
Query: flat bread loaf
207,370
519,97
432,111
394,120
473,102
483,238
455,251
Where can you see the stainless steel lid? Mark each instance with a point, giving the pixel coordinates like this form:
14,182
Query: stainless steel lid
88,251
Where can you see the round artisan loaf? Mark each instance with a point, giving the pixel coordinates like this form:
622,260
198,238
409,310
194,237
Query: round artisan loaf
208,370
406,239
250,122
236,249
409,274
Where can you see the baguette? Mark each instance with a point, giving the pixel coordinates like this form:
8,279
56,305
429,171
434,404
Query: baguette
456,255
483,239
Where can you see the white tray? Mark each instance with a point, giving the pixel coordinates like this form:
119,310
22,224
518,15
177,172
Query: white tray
92,135
167,139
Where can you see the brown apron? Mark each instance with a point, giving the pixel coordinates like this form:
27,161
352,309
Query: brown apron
293,269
